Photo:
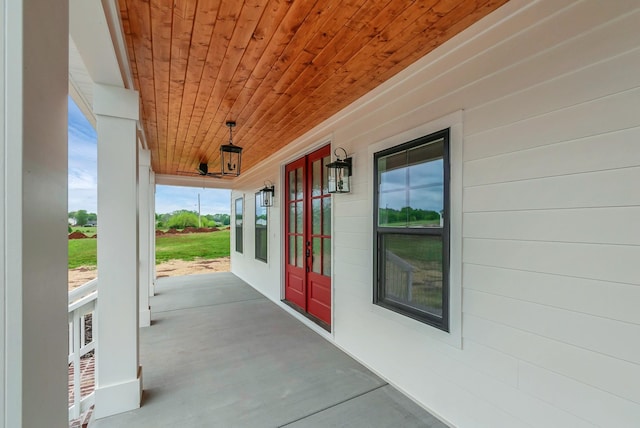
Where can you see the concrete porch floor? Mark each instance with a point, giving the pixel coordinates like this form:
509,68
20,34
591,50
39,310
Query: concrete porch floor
219,354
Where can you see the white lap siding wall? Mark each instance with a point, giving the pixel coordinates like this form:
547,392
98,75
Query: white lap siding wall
547,95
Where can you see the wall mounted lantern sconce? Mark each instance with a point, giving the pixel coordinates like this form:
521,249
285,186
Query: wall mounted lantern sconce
230,155
339,173
267,194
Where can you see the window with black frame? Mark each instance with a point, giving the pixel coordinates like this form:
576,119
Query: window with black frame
412,229
261,229
239,220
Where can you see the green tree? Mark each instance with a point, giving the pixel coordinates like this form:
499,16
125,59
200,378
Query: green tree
183,219
223,219
81,217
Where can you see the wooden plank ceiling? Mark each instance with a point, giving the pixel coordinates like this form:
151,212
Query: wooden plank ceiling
276,67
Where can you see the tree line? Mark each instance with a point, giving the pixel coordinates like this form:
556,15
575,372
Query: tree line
177,219
407,214
185,218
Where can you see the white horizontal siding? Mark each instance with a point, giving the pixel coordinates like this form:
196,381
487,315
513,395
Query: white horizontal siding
578,329
550,138
611,188
566,124
604,299
620,378
616,225
598,153
615,263
600,407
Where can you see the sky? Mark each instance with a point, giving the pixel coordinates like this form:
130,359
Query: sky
83,177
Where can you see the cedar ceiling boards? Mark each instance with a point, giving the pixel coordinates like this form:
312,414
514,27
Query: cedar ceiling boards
276,67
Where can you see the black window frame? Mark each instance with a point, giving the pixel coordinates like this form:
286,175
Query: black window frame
379,297
238,223
260,230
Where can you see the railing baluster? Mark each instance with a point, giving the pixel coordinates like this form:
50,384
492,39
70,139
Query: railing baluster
82,302
76,366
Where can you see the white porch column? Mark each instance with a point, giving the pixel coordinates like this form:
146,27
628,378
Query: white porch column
152,233
118,375
144,217
33,207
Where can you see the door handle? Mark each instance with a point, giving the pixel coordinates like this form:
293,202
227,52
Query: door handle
308,252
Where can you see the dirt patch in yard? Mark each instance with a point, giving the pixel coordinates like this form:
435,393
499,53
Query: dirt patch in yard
81,275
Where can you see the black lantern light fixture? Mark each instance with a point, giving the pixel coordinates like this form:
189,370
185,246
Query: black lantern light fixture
339,173
230,155
267,194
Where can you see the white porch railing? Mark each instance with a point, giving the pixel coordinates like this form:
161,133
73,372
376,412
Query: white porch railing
83,302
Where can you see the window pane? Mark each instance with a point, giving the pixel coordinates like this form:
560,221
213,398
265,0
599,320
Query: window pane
427,173
412,269
238,222
260,230
392,179
427,205
392,211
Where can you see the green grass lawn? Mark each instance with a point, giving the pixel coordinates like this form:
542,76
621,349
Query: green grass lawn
213,245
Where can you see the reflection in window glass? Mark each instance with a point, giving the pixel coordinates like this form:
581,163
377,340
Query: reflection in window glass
238,225
410,187
261,230
412,269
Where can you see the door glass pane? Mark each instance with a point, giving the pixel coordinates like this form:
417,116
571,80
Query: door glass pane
299,214
412,267
299,252
317,255
316,181
292,250
292,218
316,216
292,185
325,182
326,216
326,257
299,187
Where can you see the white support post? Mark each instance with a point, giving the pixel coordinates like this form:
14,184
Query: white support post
118,375
33,211
144,217
152,233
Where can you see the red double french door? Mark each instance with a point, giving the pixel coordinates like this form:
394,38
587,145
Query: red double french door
308,235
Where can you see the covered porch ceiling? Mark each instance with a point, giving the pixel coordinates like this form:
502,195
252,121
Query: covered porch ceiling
276,67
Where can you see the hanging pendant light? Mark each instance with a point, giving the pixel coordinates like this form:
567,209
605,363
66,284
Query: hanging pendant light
230,155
